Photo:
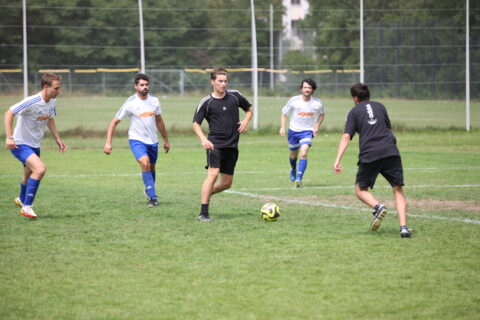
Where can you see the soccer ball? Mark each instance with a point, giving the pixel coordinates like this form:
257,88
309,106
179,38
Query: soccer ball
270,212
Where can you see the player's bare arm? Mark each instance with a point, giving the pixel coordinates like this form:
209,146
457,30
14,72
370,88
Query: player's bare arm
243,125
283,121
7,122
107,149
342,146
206,144
163,131
316,128
53,129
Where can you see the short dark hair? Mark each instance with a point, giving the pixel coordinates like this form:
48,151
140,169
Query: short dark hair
360,90
48,78
310,82
141,76
216,72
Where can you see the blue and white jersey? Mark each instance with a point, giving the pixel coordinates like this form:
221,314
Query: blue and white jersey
142,118
303,114
32,115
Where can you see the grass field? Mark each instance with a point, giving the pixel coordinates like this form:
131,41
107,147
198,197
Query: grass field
97,252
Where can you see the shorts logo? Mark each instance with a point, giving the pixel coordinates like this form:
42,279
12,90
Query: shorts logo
147,114
305,114
372,121
40,118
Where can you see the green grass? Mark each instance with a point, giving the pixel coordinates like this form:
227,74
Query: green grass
94,113
97,252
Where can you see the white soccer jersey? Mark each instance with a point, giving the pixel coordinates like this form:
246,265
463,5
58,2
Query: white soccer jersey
142,118
303,114
32,115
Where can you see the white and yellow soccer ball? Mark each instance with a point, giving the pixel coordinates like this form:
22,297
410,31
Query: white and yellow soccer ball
270,212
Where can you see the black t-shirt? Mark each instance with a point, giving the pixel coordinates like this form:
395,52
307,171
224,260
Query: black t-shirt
223,117
370,120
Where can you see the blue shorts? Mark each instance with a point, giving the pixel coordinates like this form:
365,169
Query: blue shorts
23,152
141,149
296,139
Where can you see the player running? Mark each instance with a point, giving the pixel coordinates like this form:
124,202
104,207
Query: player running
144,112
33,114
306,115
220,109
378,154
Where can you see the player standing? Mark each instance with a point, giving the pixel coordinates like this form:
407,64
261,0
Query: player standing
378,154
144,112
306,115
220,109
33,114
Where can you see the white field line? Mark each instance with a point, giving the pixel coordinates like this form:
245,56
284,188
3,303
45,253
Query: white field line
336,206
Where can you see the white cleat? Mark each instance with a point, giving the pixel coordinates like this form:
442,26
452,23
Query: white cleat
18,202
297,183
27,211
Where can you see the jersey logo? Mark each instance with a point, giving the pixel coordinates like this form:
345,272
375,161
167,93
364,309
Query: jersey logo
147,114
372,121
43,118
224,108
305,114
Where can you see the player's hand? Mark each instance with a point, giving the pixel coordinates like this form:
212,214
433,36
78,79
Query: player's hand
107,149
10,143
61,146
166,147
207,145
242,126
282,132
337,167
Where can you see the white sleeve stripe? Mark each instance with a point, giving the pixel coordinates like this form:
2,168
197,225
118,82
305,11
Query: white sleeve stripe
202,102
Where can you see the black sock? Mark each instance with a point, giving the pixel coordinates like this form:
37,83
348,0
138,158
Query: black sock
204,210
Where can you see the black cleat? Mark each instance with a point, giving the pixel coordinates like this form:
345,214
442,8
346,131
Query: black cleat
378,215
404,232
152,203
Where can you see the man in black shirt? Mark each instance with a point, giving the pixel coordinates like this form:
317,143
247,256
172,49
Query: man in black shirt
220,109
378,154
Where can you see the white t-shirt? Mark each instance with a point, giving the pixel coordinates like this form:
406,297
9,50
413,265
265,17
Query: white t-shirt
303,114
32,115
142,118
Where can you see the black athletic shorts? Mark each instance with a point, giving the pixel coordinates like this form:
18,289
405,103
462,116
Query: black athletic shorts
223,158
391,168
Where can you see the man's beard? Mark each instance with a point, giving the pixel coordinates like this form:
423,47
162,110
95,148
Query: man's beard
143,93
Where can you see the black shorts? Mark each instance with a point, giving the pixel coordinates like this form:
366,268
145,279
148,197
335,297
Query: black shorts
223,158
390,168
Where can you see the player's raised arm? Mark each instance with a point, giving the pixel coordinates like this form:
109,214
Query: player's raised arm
110,131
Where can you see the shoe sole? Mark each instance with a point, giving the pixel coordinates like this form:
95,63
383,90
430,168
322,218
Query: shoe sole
27,214
204,220
378,220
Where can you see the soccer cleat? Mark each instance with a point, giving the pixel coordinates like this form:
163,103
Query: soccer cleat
293,175
27,211
204,218
18,202
378,215
297,183
404,232
152,203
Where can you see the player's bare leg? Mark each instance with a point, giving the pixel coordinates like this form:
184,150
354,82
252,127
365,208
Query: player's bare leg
401,205
224,183
380,211
207,191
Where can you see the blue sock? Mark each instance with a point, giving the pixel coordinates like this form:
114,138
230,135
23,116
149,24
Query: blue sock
302,166
154,175
23,189
293,163
149,184
31,191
